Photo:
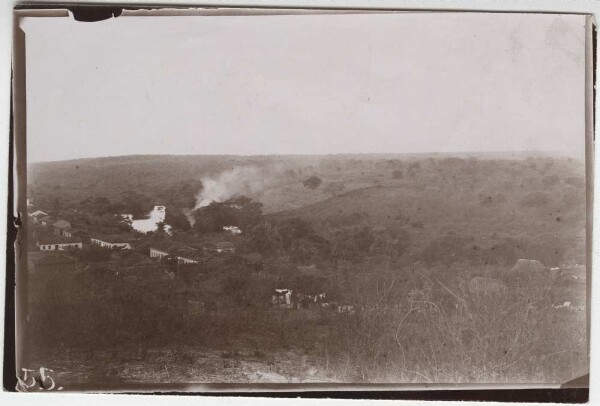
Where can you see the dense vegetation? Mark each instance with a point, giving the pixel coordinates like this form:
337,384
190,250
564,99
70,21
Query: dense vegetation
395,238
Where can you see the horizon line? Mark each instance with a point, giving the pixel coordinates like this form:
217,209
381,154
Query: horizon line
486,152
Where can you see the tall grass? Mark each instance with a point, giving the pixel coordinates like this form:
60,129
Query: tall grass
428,329
478,337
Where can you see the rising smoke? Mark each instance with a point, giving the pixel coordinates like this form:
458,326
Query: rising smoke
239,181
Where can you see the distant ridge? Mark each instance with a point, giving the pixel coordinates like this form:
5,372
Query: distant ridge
383,155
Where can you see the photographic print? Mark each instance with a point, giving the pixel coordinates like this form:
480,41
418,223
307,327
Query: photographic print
303,198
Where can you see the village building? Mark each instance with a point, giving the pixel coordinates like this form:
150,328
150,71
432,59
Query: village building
36,215
184,253
282,298
157,253
60,226
232,229
75,232
114,241
45,221
58,243
184,260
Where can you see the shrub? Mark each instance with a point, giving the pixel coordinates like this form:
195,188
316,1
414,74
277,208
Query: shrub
483,338
313,182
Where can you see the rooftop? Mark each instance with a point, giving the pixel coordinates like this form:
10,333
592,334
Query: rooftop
62,224
45,239
176,249
113,238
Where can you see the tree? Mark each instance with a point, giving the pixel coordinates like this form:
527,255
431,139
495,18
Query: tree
295,228
312,182
241,212
93,253
413,169
111,223
56,203
264,238
177,219
352,243
397,174
137,204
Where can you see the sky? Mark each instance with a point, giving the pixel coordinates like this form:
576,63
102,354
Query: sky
305,84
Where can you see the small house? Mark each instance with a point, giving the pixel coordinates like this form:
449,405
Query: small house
308,301
184,254
115,241
58,243
232,229
75,232
59,227
45,221
36,215
157,253
282,298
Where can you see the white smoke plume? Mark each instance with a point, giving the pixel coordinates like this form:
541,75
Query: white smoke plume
239,181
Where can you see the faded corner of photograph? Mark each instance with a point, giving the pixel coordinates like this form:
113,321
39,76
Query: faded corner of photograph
313,198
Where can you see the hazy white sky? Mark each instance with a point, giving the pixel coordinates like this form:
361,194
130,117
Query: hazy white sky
304,84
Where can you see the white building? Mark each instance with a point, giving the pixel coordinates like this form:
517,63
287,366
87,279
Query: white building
60,244
161,253
282,298
112,242
37,213
184,260
158,254
232,229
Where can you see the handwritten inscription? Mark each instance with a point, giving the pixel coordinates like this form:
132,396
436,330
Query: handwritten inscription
40,380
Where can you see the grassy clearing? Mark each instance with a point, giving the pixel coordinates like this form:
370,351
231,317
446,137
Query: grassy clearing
439,332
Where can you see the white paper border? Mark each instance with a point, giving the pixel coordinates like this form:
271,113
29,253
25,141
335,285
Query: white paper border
557,6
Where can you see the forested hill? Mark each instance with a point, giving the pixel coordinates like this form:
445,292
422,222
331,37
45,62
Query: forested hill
436,199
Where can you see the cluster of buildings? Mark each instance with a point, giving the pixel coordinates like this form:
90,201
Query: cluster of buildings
287,299
54,234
